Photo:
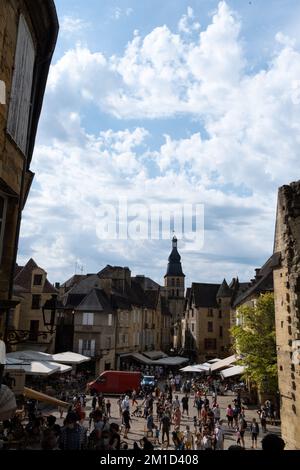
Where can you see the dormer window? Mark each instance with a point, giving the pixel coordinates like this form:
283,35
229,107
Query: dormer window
37,279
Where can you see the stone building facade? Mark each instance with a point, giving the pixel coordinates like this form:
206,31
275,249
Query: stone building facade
287,310
205,331
28,33
31,289
174,291
111,315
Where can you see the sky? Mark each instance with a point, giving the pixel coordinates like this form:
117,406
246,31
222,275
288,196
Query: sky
164,105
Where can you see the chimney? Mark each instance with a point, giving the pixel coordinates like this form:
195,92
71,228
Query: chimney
257,275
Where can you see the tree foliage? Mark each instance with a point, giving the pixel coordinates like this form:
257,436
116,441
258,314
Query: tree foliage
255,340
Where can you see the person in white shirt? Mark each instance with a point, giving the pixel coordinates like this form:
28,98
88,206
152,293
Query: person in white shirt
219,437
2,358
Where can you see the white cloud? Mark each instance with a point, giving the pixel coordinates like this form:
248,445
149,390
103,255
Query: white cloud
247,145
119,12
70,25
187,24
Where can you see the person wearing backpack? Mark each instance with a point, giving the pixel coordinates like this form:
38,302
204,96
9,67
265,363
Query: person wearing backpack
254,429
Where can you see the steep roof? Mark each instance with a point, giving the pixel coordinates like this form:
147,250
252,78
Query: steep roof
174,265
263,281
73,280
23,278
146,282
71,301
85,285
224,290
205,295
95,301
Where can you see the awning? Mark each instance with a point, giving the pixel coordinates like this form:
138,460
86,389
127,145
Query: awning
29,356
171,361
223,363
193,369
70,357
231,371
138,357
30,393
35,367
206,365
65,357
154,354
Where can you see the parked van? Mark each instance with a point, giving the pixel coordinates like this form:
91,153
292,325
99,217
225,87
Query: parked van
116,382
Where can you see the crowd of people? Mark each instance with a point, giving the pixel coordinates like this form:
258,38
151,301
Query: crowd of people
162,413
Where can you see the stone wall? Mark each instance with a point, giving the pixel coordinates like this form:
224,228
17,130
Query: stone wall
287,310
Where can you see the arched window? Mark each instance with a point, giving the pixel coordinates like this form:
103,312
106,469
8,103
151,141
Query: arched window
172,282
177,282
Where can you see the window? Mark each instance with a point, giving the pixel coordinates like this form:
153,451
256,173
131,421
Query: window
137,338
210,312
220,313
210,343
37,279
172,282
3,206
108,342
88,318
35,302
210,327
192,313
221,331
110,319
123,339
34,330
177,292
177,282
20,99
172,292
193,327
86,347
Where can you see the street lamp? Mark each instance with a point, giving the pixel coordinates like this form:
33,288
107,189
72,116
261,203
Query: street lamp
49,311
21,336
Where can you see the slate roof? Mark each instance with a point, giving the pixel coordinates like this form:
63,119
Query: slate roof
174,265
23,278
85,285
73,280
71,301
95,301
146,282
263,281
205,295
224,290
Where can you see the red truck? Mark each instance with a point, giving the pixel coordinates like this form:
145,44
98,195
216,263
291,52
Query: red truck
116,382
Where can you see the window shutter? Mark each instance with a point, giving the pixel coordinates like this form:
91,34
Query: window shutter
80,346
19,106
